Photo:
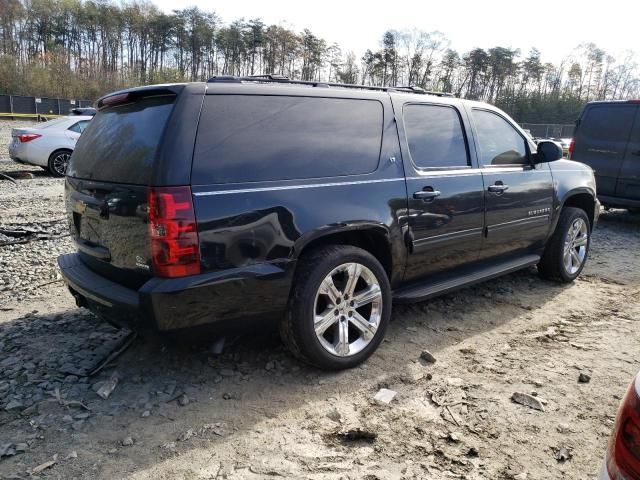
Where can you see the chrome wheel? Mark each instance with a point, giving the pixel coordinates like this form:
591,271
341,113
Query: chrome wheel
575,246
59,163
347,309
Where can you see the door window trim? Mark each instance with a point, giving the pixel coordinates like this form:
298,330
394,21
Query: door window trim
435,170
519,166
471,171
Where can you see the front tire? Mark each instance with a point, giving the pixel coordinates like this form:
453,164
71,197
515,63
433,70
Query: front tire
339,307
567,250
58,162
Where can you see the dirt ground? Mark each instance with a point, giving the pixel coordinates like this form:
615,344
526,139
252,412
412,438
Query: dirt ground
180,411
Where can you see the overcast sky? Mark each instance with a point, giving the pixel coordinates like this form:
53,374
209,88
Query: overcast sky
555,27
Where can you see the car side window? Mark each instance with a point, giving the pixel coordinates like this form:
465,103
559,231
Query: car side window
435,136
255,138
498,142
80,126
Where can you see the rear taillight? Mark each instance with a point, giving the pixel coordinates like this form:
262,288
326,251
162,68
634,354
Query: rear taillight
572,146
27,137
173,231
623,454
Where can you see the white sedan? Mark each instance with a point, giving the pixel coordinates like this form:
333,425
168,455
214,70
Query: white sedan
48,145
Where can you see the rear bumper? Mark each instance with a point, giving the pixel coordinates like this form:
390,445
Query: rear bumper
215,298
30,153
108,299
20,155
14,152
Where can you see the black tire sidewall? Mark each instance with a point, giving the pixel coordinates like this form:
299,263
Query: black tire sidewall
302,308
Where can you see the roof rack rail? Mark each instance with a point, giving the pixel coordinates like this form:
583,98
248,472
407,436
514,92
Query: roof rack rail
272,78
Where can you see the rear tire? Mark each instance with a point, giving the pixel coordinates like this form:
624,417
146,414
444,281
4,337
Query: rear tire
567,250
339,307
58,162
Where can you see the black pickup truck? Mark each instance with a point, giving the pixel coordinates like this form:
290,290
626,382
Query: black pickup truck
247,199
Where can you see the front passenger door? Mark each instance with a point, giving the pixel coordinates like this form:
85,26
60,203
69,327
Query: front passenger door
518,195
445,191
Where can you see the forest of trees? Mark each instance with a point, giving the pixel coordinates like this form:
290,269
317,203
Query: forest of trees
85,48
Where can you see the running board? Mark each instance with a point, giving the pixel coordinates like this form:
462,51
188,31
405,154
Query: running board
426,290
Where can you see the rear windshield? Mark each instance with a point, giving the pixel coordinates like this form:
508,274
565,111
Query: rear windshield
120,143
245,138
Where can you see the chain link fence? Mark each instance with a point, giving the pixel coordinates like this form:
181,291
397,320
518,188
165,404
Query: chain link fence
549,130
38,107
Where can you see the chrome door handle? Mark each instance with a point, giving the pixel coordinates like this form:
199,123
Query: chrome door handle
498,188
426,195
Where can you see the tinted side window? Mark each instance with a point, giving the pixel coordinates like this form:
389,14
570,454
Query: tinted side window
609,123
80,126
499,143
435,136
249,138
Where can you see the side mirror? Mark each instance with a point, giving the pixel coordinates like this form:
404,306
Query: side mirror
548,151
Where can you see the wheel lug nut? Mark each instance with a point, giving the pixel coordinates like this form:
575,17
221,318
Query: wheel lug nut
336,311
352,303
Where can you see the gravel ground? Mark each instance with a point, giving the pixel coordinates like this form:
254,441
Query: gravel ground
36,203
179,410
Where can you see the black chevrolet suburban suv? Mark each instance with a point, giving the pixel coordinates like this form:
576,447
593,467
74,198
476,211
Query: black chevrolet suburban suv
317,204
607,138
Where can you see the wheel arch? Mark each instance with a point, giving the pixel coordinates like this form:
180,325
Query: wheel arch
56,151
60,149
582,198
374,238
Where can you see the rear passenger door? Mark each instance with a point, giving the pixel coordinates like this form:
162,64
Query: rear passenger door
628,185
445,190
273,172
601,140
518,196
